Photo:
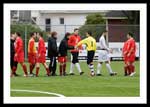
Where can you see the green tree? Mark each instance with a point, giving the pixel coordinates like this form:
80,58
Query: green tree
94,23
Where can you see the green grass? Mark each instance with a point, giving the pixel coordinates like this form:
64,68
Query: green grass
80,86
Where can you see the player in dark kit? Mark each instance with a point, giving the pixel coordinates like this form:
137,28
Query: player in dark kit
13,63
52,52
62,55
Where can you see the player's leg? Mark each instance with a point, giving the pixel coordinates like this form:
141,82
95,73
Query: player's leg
72,63
109,68
54,66
24,68
37,68
64,68
46,68
14,67
99,66
90,57
77,63
126,68
132,68
61,68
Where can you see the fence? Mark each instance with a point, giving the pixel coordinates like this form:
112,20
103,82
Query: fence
116,33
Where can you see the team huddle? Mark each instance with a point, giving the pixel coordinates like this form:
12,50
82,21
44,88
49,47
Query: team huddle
70,42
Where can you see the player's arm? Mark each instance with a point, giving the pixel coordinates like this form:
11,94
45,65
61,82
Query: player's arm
70,41
84,41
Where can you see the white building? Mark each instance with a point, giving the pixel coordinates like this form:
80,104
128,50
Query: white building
61,21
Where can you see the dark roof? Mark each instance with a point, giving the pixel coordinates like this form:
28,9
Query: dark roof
116,14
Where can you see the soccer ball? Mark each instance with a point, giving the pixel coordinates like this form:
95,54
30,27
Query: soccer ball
92,74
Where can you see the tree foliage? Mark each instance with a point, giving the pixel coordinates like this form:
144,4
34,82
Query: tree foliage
94,23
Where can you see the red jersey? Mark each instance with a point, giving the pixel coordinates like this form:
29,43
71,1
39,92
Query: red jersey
19,50
73,41
31,47
131,45
41,46
19,46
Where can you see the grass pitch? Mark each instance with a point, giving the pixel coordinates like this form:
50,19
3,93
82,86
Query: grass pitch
79,86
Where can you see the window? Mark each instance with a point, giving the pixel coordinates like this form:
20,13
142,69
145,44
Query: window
61,20
48,25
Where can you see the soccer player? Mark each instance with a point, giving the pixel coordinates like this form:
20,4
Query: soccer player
62,55
41,55
13,63
19,52
91,48
52,52
129,51
104,55
73,40
32,52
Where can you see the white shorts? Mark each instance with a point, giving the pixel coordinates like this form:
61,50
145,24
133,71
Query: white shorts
103,56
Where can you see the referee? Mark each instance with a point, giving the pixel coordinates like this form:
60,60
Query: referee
90,43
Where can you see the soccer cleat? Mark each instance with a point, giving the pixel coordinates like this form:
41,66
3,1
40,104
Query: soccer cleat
16,75
54,74
132,74
31,74
98,74
72,74
25,75
81,73
114,73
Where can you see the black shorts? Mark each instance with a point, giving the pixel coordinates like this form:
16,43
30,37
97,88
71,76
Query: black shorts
12,62
75,57
90,56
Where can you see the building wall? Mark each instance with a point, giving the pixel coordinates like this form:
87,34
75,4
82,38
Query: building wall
118,29
71,21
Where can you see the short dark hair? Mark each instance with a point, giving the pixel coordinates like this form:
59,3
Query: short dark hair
53,34
131,34
31,34
41,34
76,29
67,34
18,34
89,32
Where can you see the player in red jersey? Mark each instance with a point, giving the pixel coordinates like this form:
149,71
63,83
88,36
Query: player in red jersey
129,54
32,52
41,55
73,41
19,52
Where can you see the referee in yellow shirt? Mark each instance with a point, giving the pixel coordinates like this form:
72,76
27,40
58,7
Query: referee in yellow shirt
90,43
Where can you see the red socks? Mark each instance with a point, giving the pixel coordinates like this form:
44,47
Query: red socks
14,70
126,70
64,67
61,69
37,71
24,69
48,72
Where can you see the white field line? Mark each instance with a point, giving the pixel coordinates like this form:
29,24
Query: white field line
42,92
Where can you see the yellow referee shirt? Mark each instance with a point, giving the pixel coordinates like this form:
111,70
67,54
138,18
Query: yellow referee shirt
90,43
